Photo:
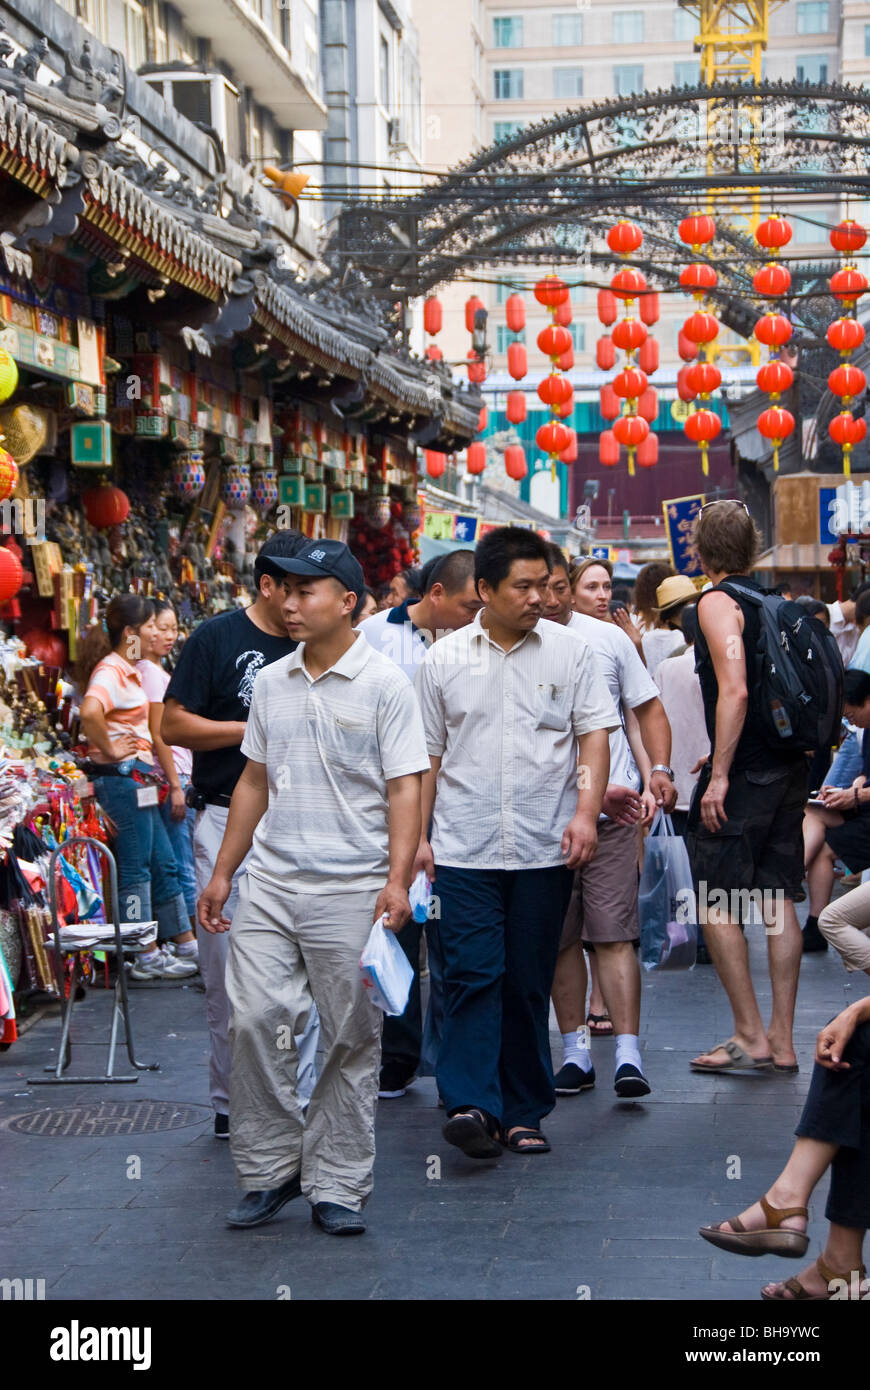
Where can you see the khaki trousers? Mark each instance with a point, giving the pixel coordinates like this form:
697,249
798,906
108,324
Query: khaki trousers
288,950
845,923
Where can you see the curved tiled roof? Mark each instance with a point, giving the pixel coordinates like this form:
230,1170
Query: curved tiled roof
26,138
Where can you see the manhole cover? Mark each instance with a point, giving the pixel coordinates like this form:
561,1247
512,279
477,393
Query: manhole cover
108,1118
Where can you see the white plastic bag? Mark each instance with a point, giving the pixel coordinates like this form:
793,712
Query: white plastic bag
666,901
420,896
386,971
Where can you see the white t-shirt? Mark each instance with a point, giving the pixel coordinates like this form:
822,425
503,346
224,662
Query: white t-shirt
658,643
393,633
626,678
684,705
846,634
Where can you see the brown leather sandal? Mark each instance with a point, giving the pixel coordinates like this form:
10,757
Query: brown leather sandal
771,1240
800,1295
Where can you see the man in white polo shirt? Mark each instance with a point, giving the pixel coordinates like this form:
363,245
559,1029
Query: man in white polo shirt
506,701
329,805
405,634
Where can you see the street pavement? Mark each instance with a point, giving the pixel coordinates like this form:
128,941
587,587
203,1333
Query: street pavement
611,1213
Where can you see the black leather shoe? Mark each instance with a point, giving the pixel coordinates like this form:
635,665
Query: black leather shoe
571,1080
336,1220
813,940
257,1207
630,1082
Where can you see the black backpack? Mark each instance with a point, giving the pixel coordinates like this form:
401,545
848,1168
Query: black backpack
796,688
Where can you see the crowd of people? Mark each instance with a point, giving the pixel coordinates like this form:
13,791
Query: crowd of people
502,721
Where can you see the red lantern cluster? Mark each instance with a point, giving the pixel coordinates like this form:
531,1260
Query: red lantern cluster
699,378
553,438
845,335
627,400
772,281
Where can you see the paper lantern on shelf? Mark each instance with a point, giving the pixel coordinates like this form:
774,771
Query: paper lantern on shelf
848,236
517,360
845,335
774,233
569,455
686,348
379,512
187,475
555,389
516,408
702,427
697,230
236,486
772,280
630,383
551,291
624,237
475,458
264,489
774,377
773,330
105,506
552,438
8,374
46,646
435,463
562,314
11,574
702,378
433,315
628,283
472,307
515,313
698,277
605,353
608,449
776,425
629,334
610,405
554,340
565,361
648,356
648,305
701,327
648,451
607,307
684,390
848,284
648,404
847,381
8,474
515,462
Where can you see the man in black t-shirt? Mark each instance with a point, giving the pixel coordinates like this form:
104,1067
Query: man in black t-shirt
745,827
205,709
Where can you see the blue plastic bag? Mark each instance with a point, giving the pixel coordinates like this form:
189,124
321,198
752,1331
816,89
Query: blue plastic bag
386,970
666,901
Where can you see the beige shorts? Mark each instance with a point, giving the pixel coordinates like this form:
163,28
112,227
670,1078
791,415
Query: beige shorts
603,904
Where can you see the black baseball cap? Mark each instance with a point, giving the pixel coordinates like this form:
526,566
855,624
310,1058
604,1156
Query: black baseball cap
321,560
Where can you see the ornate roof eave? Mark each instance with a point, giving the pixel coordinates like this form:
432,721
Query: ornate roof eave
304,331
31,150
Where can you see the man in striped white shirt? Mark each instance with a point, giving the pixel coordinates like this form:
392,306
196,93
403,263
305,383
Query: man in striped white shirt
505,702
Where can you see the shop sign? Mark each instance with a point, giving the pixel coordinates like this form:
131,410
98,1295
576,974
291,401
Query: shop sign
679,514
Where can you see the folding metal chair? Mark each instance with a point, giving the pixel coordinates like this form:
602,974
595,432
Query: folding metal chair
70,941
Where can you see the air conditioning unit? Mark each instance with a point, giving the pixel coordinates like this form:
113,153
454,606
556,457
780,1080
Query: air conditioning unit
396,133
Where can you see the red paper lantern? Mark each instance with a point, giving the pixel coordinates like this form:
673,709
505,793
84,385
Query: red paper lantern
562,313
697,230
774,377
472,305
610,405
608,449
105,506
516,407
684,390
648,356
773,330
624,237
434,353
628,283
648,451
773,233
515,462
702,378
847,381
772,280
607,307
565,409
686,348
848,236
475,458
555,389
702,426
554,340
776,424
605,353
11,574
848,284
46,646
476,368
845,335
515,313
8,475
630,383
649,308
565,362
435,463
551,291
631,430
552,438
482,419
433,315
629,334
701,328
569,455
648,404
845,430
517,360
698,277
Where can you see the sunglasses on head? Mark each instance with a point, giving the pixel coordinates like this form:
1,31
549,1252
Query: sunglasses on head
719,500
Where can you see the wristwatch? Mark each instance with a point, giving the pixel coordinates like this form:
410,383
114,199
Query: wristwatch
663,767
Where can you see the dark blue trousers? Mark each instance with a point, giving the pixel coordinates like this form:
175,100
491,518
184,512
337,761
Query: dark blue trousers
500,933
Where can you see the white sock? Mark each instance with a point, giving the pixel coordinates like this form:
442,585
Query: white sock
187,948
627,1050
576,1048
